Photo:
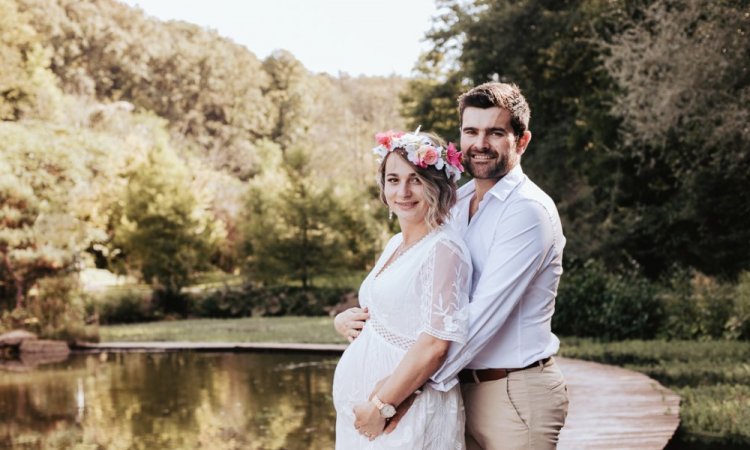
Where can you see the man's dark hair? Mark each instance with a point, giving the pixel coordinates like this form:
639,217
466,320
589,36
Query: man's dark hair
502,95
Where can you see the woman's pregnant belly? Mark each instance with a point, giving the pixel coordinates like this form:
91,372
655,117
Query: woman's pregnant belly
366,361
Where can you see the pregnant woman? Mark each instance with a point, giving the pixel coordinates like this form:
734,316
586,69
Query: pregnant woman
416,296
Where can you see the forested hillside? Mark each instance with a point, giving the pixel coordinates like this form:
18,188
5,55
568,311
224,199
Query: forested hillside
161,149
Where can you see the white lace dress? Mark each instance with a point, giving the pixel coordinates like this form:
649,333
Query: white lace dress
425,290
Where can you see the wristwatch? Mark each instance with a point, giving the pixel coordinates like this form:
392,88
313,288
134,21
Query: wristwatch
386,409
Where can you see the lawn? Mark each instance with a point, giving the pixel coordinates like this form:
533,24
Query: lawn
713,377
318,330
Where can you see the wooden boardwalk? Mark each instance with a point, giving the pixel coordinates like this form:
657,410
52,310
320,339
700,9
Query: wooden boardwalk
616,408
610,407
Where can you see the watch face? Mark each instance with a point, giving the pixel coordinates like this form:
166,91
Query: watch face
388,411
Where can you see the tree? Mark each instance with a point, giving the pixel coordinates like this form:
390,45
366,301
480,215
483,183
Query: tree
298,227
684,76
39,234
549,48
28,89
639,118
209,88
346,113
287,92
161,230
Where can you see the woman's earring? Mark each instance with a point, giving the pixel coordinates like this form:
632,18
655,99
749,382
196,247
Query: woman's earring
390,214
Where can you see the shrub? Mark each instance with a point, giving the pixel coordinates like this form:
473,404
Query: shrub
738,326
54,310
125,305
251,300
696,307
596,303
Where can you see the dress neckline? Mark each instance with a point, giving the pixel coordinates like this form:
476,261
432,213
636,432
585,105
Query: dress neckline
391,261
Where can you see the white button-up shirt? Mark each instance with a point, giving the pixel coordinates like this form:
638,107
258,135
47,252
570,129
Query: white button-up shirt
516,244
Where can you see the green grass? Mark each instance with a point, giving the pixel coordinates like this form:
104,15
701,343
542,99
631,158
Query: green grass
318,330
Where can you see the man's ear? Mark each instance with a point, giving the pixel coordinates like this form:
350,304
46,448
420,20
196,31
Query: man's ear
523,142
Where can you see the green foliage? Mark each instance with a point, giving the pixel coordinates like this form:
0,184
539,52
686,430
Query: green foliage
696,307
266,301
594,302
712,378
161,230
299,225
431,103
287,91
27,87
683,72
124,305
133,141
638,118
208,87
738,326
41,233
715,415
133,304
54,310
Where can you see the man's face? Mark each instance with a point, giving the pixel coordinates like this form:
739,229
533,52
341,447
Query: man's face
489,145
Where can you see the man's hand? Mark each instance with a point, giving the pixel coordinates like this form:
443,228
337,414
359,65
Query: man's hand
349,323
401,409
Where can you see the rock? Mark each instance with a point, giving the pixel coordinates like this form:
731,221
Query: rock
15,338
32,360
46,347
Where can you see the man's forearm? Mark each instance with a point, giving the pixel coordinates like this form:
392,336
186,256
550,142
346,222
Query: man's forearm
415,368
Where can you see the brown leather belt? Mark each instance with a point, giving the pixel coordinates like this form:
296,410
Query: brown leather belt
482,375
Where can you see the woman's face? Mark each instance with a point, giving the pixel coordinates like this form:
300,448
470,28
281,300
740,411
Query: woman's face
404,191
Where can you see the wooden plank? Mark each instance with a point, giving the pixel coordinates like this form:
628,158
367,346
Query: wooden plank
616,408
610,407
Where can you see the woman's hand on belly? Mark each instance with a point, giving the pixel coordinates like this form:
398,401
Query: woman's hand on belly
349,323
367,420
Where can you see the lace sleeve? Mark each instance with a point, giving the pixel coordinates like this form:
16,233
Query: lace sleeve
445,279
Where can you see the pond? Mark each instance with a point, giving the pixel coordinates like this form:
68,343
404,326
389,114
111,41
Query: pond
176,400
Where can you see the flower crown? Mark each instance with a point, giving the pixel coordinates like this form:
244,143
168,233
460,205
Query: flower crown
420,151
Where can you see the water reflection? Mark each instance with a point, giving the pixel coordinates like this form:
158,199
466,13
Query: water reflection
179,400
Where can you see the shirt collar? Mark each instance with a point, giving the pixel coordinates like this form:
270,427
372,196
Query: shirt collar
501,190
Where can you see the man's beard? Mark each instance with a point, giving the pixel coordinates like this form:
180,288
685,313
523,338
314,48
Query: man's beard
500,167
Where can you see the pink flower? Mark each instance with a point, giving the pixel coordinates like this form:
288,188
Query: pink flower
454,157
427,155
430,157
386,137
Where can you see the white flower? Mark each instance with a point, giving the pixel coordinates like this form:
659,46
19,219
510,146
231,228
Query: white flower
381,151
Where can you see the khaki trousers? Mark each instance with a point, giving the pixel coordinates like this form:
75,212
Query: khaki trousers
525,410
